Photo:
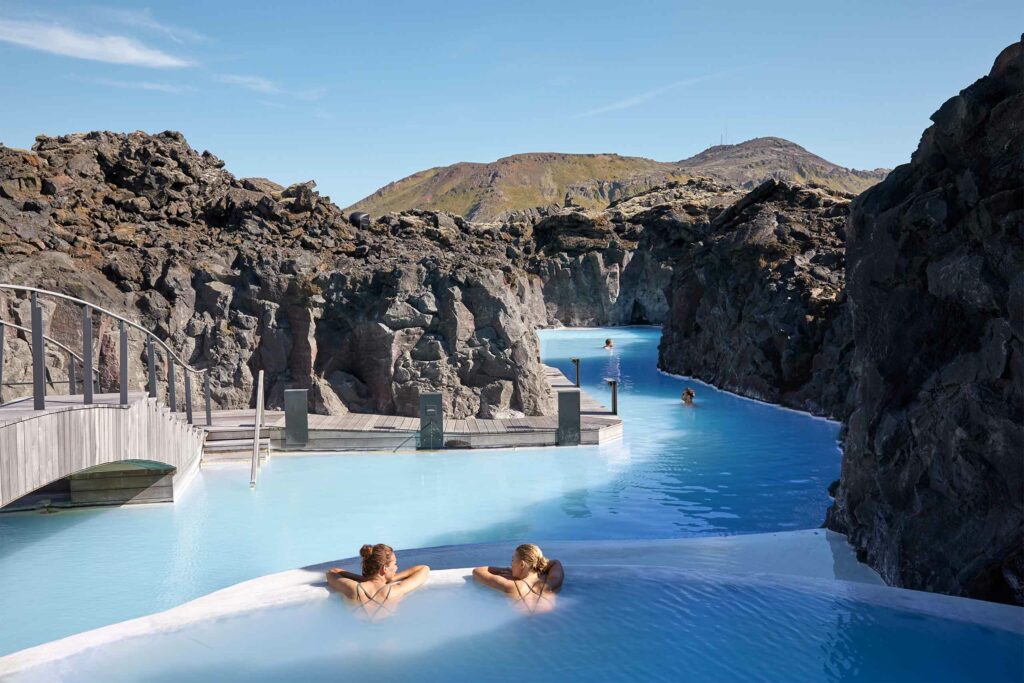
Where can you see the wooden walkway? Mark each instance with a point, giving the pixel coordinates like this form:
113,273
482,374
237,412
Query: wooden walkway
232,430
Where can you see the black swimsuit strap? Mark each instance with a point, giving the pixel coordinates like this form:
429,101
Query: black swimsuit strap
522,597
373,598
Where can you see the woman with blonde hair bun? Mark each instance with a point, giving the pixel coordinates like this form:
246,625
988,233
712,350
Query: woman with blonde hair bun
531,581
381,586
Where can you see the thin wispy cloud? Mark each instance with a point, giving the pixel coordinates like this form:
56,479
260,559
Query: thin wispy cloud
58,40
644,96
254,83
151,86
268,87
144,19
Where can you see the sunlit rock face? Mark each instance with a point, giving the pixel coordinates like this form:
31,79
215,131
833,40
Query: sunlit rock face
756,300
243,275
931,489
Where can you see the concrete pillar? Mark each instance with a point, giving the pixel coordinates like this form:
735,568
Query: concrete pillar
296,417
568,418
431,422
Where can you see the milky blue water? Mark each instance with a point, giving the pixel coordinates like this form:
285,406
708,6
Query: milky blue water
724,466
609,625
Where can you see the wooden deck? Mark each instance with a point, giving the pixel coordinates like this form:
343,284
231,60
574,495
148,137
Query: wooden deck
231,433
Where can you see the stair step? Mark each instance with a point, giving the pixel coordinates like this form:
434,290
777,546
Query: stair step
233,445
234,433
242,455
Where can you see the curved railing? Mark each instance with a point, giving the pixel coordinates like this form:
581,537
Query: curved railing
38,354
72,380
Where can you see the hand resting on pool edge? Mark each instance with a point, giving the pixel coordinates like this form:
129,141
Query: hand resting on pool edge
377,592
531,582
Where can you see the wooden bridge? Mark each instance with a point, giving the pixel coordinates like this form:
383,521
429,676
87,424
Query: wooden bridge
86,447
155,451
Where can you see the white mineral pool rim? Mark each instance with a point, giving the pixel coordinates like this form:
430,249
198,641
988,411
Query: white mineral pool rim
308,584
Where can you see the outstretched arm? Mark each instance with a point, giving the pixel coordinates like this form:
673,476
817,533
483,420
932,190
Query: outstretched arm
406,573
343,582
413,578
498,578
555,576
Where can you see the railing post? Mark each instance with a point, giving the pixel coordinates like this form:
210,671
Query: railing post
38,357
576,362
123,369
257,428
88,377
171,393
188,396
206,395
3,328
72,376
614,383
151,363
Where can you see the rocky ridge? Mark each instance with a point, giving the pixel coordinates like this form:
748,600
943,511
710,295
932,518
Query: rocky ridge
490,191
756,302
244,275
612,267
932,486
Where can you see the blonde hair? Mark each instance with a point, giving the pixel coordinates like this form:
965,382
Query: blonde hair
533,557
375,558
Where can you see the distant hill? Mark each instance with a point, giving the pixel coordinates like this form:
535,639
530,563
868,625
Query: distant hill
754,161
486,191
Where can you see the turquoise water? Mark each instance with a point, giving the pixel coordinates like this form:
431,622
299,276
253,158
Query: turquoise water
726,466
610,625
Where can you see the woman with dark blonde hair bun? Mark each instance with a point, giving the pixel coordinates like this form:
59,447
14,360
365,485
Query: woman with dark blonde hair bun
381,586
531,581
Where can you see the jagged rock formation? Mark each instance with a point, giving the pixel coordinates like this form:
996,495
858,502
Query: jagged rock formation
612,267
489,192
932,487
245,275
756,300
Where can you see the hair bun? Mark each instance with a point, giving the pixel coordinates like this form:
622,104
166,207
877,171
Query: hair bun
366,550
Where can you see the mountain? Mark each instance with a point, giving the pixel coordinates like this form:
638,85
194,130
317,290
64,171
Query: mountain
752,162
522,181
489,191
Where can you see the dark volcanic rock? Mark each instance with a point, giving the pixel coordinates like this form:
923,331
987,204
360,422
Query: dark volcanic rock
932,492
668,220
612,267
244,275
756,301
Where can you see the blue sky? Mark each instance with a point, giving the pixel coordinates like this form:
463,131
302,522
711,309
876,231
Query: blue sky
357,94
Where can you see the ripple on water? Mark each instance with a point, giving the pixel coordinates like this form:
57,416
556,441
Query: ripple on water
614,624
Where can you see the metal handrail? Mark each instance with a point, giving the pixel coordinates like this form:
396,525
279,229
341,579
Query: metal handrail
67,348
254,469
126,321
38,357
